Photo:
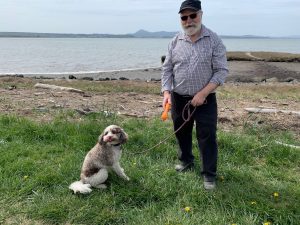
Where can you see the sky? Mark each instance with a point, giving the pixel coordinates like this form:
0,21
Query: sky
274,18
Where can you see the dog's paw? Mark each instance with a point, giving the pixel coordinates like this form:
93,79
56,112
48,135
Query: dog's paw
79,187
101,186
127,178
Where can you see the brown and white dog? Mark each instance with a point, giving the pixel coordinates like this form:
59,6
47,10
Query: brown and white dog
104,155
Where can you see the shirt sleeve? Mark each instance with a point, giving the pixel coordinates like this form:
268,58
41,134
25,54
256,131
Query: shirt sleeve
167,70
219,63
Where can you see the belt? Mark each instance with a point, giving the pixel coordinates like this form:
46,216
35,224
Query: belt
190,96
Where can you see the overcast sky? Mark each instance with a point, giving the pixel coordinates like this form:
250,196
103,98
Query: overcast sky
230,17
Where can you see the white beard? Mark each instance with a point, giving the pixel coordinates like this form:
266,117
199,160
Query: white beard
191,29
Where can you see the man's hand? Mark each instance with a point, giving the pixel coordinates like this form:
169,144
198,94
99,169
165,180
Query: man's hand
167,98
199,99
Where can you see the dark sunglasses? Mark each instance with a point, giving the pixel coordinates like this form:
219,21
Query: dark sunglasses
192,16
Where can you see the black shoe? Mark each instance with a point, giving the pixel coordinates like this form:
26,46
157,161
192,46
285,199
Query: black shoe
209,183
184,166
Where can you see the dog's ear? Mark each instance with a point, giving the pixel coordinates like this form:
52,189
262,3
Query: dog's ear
123,136
100,139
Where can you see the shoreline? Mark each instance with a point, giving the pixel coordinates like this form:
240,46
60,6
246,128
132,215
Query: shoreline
239,71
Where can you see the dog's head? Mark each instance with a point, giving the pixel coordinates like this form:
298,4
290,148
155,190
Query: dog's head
113,135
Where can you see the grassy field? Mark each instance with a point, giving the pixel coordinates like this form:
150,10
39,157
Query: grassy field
258,182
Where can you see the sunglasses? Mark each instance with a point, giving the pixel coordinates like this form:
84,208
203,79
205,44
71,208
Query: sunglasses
192,16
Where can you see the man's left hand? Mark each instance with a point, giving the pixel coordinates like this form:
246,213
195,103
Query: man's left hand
199,99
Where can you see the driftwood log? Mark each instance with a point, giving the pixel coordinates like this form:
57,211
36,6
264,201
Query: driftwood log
284,144
60,88
271,110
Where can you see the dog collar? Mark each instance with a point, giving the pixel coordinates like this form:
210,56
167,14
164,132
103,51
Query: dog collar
117,144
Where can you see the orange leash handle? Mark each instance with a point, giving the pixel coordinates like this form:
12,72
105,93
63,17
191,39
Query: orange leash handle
164,115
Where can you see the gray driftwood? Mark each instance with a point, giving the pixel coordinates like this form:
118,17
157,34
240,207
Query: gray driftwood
60,88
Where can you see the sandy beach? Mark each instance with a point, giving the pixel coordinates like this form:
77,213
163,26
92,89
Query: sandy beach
239,71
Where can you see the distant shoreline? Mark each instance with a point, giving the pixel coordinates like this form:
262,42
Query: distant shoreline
138,34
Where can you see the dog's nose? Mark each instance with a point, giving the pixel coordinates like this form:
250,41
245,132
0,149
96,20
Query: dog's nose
109,138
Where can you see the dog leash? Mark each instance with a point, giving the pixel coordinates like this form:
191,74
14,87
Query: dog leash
185,119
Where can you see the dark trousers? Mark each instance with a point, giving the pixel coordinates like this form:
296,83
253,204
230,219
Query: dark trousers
205,117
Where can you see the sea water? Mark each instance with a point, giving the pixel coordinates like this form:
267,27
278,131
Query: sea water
61,55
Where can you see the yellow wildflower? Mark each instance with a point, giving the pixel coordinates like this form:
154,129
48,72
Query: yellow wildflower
267,223
187,209
253,203
276,194
221,178
25,177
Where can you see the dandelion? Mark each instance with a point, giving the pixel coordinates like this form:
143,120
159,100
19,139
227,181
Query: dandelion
276,194
187,209
221,178
253,203
234,224
267,223
25,177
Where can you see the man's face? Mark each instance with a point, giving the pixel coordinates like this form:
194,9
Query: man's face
191,21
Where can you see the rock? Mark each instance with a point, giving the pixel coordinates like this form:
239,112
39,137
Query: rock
103,79
162,59
224,120
132,94
81,112
72,77
39,93
156,80
289,79
87,109
46,78
272,80
87,78
86,95
12,87
123,78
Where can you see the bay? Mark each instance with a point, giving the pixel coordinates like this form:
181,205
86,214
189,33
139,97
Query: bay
63,55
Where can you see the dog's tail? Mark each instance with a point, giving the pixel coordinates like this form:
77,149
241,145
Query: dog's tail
79,187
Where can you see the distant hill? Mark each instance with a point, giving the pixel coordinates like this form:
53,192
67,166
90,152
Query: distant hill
139,34
159,34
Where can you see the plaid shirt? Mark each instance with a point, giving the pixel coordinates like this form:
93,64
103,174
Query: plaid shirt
189,66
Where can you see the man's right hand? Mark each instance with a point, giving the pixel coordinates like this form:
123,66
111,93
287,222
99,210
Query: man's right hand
167,98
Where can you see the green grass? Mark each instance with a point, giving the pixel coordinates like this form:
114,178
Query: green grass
100,87
39,161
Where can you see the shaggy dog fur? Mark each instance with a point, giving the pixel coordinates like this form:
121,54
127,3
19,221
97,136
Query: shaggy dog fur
104,155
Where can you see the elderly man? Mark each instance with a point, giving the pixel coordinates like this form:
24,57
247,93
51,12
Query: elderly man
194,67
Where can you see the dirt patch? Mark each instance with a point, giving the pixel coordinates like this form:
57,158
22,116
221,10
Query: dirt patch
260,71
43,105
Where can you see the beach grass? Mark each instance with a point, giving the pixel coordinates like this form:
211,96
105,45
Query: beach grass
228,91
87,86
258,180
263,56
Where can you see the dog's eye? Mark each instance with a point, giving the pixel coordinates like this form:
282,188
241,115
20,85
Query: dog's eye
114,131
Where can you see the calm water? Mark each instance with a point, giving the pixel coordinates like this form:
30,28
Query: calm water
53,55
